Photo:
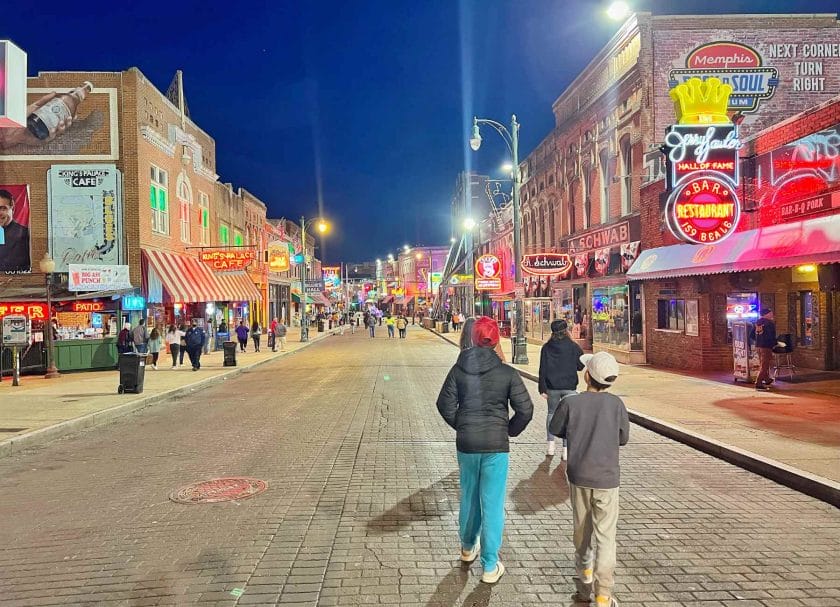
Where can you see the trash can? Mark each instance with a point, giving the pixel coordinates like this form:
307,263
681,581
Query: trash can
132,368
320,326
229,349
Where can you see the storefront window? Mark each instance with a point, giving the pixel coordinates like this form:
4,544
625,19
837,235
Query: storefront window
740,306
671,314
806,318
610,325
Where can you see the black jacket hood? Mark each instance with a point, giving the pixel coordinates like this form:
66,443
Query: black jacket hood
476,360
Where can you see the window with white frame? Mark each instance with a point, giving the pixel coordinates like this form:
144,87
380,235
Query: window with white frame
204,217
604,165
159,200
184,192
626,175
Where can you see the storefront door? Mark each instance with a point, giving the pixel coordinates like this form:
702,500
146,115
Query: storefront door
833,349
582,329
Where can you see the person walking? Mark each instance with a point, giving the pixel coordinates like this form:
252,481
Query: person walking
764,333
195,337
280,333
390,323
182,328
125,342
155,345
173,340
242,335
272,335
371,323
596,424
558,378
256,334
140,337
474,400
402,325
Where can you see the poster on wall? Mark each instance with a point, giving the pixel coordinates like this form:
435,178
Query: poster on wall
77,123
692,318
15,256
85,215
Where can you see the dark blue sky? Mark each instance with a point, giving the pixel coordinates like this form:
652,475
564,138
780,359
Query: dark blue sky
360,104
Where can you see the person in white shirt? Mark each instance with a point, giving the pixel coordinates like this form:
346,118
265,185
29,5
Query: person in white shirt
173,340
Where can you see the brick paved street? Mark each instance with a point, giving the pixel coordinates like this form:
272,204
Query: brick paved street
362,504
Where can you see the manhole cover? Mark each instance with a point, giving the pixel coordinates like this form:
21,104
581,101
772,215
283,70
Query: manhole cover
218,490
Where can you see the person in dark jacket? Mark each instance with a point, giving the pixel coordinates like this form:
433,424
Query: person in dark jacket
559,366
764,333
474,400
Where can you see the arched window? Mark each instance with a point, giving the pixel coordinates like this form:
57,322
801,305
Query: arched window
552,235
571,203
587,196
626,175
604,166
184,193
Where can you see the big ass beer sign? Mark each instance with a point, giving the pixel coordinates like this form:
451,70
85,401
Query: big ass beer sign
702,156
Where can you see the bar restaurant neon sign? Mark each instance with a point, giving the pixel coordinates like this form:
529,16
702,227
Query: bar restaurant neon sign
227,261
702,152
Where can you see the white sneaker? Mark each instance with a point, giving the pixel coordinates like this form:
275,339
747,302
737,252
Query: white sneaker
550,451
174,367
491,577
154,367
565,455
468,556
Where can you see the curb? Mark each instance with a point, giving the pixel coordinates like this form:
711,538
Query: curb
42,436
818,487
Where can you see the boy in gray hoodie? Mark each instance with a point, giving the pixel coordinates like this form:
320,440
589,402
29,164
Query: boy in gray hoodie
596,424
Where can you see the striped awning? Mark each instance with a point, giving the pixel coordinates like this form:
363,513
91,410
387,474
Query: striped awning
185,279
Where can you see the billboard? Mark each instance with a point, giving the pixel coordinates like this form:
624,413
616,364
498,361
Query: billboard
85,215
332,277
83,277
15,256
90,134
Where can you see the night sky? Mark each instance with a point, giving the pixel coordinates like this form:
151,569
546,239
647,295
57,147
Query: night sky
364,105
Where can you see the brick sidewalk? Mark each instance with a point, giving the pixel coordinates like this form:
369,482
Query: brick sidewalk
797,425
41,409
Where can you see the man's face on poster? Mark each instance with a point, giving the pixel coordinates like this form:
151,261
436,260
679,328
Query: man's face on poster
7,209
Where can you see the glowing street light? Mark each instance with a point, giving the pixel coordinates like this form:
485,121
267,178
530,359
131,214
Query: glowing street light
618,10
323,227
507,168
406,248
419,255
469,224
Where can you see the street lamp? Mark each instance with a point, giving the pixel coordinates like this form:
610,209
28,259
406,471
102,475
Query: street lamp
511,138
323,227
618,10
47,266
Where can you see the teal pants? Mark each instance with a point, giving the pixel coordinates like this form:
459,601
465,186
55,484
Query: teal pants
483,489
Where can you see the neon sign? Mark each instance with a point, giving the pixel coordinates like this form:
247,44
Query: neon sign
33,311
488,273
88,306
227,261
702,154
547,264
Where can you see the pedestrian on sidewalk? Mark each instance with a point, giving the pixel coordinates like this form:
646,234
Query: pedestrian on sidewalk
596,425
125,342
272,335
402,325
155,345
390,323
195,341
465,341
474,400
242,335
182,328
559,366
173,340
764,334
140,337
371,323
256,334
280,333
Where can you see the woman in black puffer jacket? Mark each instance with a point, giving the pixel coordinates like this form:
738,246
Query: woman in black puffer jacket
474,400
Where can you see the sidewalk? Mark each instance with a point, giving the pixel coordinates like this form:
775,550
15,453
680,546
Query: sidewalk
791,431
40,410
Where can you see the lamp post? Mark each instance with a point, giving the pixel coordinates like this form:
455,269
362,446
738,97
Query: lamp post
47,266
323,226
469,226
511,137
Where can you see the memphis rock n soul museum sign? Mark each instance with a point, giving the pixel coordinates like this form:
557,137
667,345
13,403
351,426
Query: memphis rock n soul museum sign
702,155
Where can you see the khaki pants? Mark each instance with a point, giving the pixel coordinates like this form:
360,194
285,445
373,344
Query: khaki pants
595,513
765,357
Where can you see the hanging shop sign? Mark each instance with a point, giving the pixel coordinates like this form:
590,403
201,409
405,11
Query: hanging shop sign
735,64
547,264
315,285
332,277
277,256
85,210
133,303
82,277
627,230
222,260
488,273
702,155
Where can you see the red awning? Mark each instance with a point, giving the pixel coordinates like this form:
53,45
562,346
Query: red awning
318,299
780,246
186,279
388,299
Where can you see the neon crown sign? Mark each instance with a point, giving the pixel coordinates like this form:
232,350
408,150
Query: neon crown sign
702,152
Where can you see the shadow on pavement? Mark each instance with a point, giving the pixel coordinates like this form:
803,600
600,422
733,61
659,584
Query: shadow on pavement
542,489
450,587
479,597
421,505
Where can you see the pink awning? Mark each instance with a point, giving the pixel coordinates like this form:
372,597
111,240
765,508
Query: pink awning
781,246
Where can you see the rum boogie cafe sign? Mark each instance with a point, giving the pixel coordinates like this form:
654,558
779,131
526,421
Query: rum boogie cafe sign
547,264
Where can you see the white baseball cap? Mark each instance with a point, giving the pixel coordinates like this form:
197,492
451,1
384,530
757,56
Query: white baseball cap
601,365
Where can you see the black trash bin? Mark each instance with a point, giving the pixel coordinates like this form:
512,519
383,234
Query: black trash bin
132,368
320,326
229,349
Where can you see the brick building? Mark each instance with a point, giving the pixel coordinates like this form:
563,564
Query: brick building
581,185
